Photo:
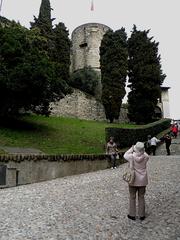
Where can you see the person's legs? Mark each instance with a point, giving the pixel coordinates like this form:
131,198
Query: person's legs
168,149
148,150
153,150
114,161
141,201
132,201
175,134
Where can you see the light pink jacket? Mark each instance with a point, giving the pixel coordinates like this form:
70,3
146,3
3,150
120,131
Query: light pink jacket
138,161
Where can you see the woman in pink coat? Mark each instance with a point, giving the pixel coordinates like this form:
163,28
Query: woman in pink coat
137,158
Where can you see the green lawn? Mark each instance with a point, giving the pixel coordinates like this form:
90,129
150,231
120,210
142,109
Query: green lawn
55,135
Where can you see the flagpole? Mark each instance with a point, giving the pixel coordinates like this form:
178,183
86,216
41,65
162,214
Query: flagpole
92,5
1,6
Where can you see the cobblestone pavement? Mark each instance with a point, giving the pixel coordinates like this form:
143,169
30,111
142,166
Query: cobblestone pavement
175,147
93,206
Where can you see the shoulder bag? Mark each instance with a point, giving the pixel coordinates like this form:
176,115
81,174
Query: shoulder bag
129,174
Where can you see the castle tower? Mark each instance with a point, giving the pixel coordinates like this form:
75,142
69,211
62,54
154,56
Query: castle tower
86,41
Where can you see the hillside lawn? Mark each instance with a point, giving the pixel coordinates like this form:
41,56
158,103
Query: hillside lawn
56,135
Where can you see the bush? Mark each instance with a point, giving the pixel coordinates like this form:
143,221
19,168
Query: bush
85,79
125,137
29,80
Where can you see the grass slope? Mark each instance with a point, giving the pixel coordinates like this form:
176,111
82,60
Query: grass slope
55,135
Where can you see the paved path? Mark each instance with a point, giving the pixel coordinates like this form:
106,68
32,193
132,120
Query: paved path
93,206
175,147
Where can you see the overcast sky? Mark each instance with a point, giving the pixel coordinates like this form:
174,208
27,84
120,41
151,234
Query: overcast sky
161,16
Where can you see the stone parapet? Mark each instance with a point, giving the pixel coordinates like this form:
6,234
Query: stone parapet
25,169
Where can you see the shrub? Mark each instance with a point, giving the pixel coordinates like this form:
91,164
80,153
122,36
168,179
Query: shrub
85,79
125,137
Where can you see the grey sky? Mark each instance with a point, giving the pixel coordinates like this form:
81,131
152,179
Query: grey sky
161,16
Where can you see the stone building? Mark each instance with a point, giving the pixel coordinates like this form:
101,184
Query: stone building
86,41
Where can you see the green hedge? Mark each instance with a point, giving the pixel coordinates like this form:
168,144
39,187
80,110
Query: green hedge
125,137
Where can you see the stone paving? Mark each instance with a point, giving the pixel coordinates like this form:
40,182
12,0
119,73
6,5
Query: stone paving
94,206
175,147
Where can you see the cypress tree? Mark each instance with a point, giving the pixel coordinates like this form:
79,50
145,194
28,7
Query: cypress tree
61,53
28,77
114,65
4,21
44,21
85,79
57,46
145,76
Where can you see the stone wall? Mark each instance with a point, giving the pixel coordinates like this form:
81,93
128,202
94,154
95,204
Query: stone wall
83,106
27,169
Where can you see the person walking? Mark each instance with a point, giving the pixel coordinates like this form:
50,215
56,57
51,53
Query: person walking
112,151
175,130
137,158
147,145
153,142
167,139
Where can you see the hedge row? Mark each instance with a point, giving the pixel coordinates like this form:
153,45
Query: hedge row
125,137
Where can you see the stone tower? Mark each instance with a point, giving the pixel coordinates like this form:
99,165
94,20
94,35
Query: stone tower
86,41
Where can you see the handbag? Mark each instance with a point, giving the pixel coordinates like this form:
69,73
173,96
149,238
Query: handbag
129,175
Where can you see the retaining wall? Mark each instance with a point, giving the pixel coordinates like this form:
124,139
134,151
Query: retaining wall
83,106
20,169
